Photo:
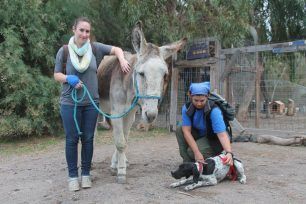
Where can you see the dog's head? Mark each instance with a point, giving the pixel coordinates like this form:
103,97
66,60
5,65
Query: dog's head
186,170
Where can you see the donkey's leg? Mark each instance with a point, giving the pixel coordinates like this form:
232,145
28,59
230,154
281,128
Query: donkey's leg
127,124
94,142
114,163
121,144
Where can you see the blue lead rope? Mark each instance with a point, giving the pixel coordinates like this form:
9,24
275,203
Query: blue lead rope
86,92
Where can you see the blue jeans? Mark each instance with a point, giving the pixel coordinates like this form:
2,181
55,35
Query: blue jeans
87,118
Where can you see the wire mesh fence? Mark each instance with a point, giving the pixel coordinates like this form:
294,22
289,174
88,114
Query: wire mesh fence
282,89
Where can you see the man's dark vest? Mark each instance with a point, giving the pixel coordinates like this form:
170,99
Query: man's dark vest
211,136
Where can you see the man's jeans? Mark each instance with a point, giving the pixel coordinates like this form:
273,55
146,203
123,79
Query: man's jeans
87,118
185,151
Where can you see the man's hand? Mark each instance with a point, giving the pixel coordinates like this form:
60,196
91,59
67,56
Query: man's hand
199,157
229,158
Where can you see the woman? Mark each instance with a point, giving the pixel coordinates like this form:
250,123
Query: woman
81,68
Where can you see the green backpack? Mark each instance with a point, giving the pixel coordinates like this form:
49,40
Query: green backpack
227,110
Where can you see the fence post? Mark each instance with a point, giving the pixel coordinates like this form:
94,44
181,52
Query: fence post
257,89
173,101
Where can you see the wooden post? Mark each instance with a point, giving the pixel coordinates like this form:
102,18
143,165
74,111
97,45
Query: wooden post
257,89
217,68
173,101
225,80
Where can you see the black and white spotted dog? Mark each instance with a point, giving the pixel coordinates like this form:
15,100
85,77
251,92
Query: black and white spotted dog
211,172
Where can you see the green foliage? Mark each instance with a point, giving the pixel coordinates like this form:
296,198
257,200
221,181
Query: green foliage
166,20
27,99
300,71
31,31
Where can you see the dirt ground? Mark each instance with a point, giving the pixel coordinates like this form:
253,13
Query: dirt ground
275,174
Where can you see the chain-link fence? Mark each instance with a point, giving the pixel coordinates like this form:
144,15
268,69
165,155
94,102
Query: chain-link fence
281,80
282,104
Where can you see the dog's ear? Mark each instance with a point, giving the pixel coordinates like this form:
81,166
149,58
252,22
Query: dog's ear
196,173
174,175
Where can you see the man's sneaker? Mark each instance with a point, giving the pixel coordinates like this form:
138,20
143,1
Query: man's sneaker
86,182
73,184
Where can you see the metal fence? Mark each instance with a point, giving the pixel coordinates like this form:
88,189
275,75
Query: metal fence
282,89
281,86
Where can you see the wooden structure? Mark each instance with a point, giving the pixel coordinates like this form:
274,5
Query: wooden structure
277,107
220,70
291,107
202,54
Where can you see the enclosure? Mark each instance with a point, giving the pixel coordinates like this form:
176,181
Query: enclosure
265,83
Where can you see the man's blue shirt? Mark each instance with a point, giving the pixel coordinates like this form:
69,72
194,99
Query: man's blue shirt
200,124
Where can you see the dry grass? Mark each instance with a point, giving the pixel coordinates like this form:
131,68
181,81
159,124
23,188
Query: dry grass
34,145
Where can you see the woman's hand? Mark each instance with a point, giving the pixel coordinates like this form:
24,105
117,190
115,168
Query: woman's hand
74,81
79,85
125,66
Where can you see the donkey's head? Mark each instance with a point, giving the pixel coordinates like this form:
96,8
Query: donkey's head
151,70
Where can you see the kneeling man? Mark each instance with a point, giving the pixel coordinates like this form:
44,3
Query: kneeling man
203,132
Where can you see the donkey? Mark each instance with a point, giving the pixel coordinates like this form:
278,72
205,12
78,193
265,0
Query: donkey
117,90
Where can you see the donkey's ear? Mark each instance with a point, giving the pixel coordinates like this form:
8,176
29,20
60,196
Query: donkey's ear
168,50
138,39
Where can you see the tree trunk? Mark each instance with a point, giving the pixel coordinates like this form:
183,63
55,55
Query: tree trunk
227,69
280,141
242,113
265,94
270,139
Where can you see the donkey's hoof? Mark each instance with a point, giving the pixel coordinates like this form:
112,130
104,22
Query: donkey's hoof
121,179
113,171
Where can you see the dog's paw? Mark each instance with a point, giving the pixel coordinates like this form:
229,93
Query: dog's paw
174,185
189,187
242,180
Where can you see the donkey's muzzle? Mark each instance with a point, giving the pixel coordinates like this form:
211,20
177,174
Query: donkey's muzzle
150,116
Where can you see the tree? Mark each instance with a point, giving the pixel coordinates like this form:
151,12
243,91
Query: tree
30,33
278,20
168,20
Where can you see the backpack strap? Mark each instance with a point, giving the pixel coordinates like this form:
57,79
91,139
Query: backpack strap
228,127
65,56
212,138
66,52
94,50
190,109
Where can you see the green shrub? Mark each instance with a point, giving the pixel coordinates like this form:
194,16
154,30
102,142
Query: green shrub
31,32
28,100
